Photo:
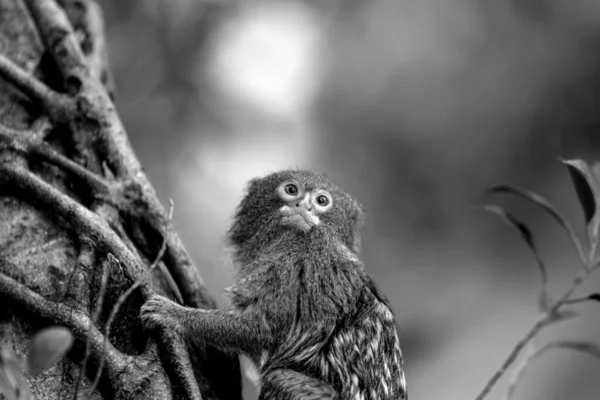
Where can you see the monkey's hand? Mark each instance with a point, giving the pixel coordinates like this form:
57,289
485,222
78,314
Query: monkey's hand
160,312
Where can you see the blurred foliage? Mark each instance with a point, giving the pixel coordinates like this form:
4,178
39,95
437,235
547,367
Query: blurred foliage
416,107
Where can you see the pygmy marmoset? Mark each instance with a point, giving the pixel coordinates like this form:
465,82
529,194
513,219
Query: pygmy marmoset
303,309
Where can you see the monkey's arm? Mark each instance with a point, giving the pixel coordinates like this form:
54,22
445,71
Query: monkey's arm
280,384
367,355
223,328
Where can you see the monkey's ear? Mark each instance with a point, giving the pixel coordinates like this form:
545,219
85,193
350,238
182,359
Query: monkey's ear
239,231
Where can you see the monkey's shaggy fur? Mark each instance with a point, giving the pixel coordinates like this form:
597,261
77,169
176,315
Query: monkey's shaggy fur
303,309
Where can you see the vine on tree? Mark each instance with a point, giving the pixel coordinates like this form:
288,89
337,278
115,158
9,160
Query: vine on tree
73,163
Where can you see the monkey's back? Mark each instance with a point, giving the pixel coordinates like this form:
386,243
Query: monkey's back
326,319
362,359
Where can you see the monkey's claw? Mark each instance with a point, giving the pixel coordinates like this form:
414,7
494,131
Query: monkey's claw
159,311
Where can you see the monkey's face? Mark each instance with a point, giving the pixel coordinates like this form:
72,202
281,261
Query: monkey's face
296,202
301,207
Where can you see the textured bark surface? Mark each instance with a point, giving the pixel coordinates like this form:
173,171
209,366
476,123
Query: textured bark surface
75,205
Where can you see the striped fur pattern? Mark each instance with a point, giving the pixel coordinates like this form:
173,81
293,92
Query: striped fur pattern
357,359
367,359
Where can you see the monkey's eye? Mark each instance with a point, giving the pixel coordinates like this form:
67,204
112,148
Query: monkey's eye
289,190
323,201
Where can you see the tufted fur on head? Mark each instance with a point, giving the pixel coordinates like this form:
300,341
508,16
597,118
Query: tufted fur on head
257,220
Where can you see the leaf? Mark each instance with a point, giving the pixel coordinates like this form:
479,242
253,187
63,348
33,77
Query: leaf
594,296
588,348
546,206
588,191
544,298
8,357
8,382
585,185
47,347
13,384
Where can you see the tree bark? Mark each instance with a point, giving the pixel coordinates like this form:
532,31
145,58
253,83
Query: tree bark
83,238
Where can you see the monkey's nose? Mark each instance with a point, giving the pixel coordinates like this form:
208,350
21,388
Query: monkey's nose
305,202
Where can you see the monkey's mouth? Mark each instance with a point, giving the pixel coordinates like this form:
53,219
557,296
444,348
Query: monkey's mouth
299,218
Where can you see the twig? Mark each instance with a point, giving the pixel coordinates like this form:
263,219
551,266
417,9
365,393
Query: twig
98,57
94,321
582,347
60,314
81,219
119,367
29,142
61,41
122,160
512,356
85,259
539,325
93,102
59,106
121,300
100,130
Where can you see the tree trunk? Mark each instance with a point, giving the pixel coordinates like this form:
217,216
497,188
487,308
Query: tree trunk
83,238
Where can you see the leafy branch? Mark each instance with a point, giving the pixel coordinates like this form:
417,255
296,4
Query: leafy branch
588,192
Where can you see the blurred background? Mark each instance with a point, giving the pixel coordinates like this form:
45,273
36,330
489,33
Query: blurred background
413,106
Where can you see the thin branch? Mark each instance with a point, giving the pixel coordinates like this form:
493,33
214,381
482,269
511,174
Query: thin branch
192,287
88,223
95,117
582,347
180,363
98,57
95,183
15,139
94,321
59,106
62,43
121,300
85,260
58,313
93,101
516,351
519,371
29,142
81,219
537,327
120,368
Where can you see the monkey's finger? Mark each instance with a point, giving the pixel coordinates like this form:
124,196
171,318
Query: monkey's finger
155,304
152,321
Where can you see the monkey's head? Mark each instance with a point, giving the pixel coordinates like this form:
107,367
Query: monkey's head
295,203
